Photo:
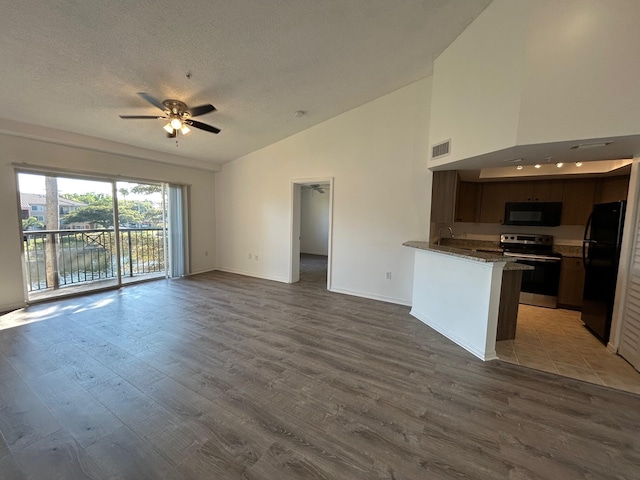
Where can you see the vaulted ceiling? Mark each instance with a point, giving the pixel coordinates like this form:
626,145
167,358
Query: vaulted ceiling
77,65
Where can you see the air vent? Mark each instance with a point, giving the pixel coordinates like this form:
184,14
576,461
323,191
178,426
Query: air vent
441,149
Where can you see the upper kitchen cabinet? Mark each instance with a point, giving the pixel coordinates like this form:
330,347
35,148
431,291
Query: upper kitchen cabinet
443,196
496,194
468,202
548,191
578,198
612,189
522,74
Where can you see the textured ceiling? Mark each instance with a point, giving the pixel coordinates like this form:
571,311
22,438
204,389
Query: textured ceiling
75,65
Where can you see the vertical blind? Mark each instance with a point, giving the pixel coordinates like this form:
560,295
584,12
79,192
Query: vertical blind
629,346
178,231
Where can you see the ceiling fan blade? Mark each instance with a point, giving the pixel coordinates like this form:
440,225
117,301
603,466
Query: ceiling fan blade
202,126
201,110
141,116
153,101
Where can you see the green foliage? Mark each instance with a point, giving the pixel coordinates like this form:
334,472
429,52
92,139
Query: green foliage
146,189
31,223
89,198
102,215
99,209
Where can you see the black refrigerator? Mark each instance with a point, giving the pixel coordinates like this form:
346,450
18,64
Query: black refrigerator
601,255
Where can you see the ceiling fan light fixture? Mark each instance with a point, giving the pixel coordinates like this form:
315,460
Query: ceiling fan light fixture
177,114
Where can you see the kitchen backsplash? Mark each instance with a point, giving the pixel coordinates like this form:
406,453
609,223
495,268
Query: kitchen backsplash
570,235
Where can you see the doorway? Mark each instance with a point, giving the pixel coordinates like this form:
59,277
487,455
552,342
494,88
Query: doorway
311,222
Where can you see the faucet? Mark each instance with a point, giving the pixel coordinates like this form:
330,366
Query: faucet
440,236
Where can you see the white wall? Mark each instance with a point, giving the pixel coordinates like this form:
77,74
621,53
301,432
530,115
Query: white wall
477,83
314,222
49,155
582,70
460,298
382,190
538,71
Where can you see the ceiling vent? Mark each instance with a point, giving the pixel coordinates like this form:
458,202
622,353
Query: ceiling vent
441,149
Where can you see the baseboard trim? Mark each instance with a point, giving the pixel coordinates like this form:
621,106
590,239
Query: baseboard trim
473,349
380,298
201,271
9,307
252,274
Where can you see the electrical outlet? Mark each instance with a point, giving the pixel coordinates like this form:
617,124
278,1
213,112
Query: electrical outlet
206,254
249,256
256,256
388,276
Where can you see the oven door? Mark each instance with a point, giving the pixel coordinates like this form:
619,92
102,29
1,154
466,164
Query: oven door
540,285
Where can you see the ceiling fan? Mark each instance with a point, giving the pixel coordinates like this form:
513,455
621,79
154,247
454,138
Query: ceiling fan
178,115
316,187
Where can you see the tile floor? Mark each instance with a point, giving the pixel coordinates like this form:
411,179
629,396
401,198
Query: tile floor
555,340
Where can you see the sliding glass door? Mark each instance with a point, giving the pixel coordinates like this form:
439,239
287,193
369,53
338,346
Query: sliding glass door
81,234
142,230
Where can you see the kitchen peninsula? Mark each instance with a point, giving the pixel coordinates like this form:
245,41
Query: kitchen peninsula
469,297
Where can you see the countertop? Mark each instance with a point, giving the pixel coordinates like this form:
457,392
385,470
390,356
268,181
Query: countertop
569,251
469,254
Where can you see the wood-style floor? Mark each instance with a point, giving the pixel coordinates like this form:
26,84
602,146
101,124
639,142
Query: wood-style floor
219,376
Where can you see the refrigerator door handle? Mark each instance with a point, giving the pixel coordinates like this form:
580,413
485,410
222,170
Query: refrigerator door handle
586,240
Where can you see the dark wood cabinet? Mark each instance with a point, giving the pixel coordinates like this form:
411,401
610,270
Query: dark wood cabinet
578,198
468,203
494,195
612,189
547,191
443,196
457,201
571,283
509,303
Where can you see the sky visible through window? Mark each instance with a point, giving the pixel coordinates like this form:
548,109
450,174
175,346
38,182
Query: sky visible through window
33,183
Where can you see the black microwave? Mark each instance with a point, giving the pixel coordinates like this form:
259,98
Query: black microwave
535,214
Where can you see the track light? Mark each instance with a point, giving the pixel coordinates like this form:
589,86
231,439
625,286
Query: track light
537,165
578,164
519,167
559,164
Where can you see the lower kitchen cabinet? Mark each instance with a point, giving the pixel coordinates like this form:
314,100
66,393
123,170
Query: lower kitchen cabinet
571,283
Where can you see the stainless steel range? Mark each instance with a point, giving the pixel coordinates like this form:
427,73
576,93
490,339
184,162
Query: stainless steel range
540,285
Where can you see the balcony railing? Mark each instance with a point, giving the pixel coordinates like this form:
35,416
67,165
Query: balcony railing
57,258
